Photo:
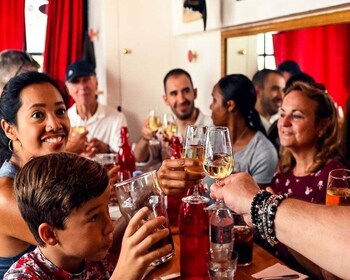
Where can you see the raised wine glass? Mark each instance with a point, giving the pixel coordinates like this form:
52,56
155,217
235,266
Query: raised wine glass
154,121
218,160
193,148
79,126
169,125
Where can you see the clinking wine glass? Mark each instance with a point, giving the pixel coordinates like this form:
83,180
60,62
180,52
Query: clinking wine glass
154,121
218,164
218,157
193,148
169,125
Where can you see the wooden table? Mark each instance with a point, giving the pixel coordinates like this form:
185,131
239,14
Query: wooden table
261,259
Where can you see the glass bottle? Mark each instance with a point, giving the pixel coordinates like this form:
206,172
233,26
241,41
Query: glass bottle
174,201
194,241
126,159
221,228
176,147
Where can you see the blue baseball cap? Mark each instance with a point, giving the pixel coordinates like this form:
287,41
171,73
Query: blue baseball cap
79,68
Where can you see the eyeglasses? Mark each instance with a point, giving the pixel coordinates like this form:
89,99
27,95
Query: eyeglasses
26,59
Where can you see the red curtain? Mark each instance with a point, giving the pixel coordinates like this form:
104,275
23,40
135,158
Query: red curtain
64,36
12,24
322,52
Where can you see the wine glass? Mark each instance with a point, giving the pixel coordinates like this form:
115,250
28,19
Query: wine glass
154,122
79,127
338,187
218,157
193,148
169,125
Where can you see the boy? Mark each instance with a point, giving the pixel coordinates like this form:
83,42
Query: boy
64,200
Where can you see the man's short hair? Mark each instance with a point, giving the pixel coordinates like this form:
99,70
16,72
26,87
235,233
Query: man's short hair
261,76
289,66
176,72
48,188
14,62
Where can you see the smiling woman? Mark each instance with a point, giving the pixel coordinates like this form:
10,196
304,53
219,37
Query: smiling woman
308,131
34,122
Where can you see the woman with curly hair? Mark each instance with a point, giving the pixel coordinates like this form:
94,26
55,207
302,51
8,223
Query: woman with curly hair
308,131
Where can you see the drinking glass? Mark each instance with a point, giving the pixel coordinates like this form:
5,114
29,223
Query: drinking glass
169,125
223,267
140,191
79,127
338,187
218,157
243,244
109,161
193,148
154,122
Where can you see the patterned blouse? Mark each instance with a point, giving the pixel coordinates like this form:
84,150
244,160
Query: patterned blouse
310,188
34,265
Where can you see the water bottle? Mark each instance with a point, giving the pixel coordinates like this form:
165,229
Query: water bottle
221,228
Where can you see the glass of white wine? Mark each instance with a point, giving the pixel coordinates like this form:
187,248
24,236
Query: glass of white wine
218,156
193,148
338,187
169,125
154,121
79,127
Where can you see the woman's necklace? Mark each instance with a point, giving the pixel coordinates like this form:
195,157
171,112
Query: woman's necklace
241,135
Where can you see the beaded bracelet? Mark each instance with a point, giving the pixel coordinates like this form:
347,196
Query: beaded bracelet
263,213
257,205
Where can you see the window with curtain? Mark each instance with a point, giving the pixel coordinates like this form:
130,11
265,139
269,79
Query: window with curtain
322,52
12,24
35,28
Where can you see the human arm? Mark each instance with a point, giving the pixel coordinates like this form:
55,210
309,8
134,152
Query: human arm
135,256
141,150
173,177
12,224
318,232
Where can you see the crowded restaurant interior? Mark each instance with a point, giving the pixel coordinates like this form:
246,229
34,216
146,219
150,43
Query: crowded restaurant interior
191,139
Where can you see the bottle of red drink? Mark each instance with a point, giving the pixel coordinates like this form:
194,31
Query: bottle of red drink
126,159
194,241
174,201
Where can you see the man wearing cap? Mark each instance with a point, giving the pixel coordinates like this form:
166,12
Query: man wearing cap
102,122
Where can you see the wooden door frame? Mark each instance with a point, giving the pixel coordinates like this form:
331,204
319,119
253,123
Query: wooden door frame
279,25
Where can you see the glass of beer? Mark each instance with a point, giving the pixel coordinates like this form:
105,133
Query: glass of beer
338,187
140,191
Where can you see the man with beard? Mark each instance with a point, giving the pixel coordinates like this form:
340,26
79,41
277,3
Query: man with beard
179,95
269,85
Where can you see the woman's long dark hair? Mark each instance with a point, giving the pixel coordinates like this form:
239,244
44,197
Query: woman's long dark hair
240,89
10,103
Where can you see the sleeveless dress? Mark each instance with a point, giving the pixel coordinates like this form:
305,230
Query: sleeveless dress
10,170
